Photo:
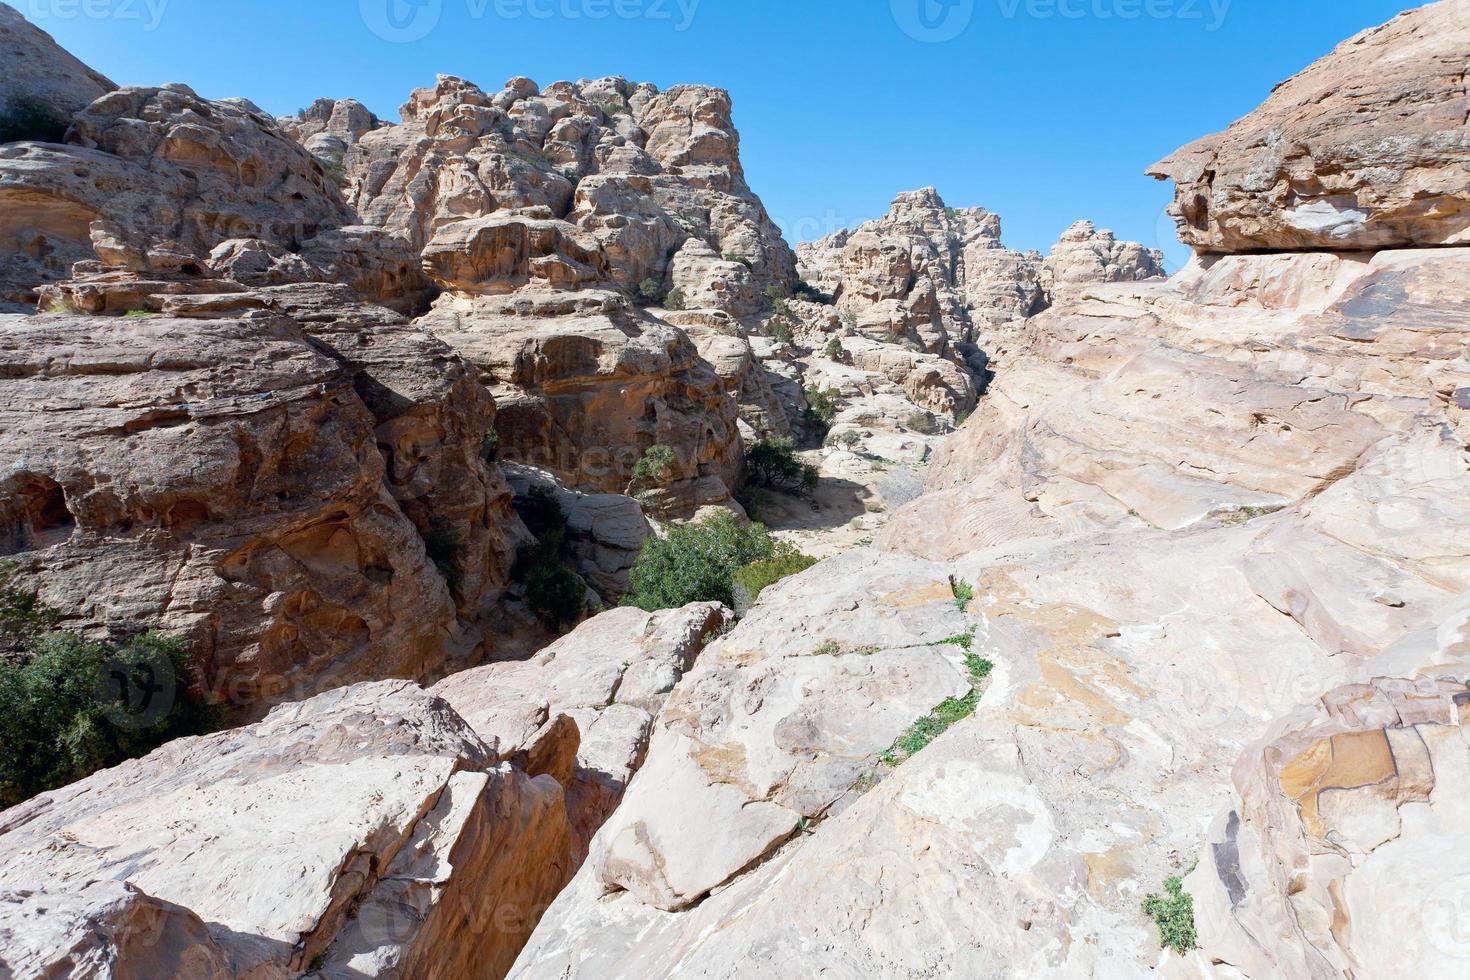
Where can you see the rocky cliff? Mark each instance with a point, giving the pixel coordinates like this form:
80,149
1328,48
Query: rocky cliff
1173,636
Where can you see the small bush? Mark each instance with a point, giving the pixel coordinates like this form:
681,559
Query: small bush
821,409
775,293
656,465
490,447
650,293
696,563
930,727
752,500
675,299
834,351
553,590
732,257
1173,913
70,706
922,423
756,577
849,322
28,118
964,592
773,464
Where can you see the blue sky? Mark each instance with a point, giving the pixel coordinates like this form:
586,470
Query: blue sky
1043,110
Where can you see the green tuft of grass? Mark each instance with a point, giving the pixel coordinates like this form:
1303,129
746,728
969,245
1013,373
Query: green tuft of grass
965,640
978,667
930,727
1173,913
964,593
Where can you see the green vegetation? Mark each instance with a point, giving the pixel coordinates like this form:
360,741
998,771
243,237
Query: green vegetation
922,423
732,257
965,640
136,313
490,447
335,168
699,563
1242,515
849,322
28,118
964,592
553,590
821,409
650,293
775,293
834,351
781,329
1173,913
773,464
942,718
749,582
70,706
675,299
656,465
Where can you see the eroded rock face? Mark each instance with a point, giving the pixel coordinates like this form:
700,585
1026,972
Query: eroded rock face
1366,149
297,490
640,171
169,169
43,84
1085,256
366,832
586,385
329,128
1180,522
609,677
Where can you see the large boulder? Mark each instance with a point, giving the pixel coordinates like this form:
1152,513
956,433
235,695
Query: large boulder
1366,149
1084,256
367,832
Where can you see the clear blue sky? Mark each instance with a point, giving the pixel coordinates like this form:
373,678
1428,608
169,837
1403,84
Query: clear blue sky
1043,110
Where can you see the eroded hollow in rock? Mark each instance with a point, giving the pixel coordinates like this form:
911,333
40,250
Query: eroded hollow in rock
34,515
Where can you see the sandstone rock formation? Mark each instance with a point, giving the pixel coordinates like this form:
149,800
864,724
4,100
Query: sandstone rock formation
366,832
1085,256
176,173
609,677
1366,149
329,128
641,171
586,384
43,84
294,485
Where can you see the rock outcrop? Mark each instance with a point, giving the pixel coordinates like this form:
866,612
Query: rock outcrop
295,485
642,172
1366,149
328,128
1085,256
609,678
43,84
366,832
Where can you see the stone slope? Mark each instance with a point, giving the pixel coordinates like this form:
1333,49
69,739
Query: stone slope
42,81
1366,149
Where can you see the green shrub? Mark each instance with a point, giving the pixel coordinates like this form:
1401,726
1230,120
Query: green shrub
781,329
552,589
70,706
656,465
650,293
732,257
752,499
28,118
931,726
490,447
1173,912
775,293
675,299
922,423
696,563
964,593
23,617
753,579
773,464
849,322
834,350
821,409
